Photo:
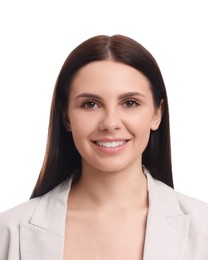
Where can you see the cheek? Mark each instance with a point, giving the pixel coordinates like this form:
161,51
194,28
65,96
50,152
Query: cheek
141,124
82,126
140,129
142,132
79,130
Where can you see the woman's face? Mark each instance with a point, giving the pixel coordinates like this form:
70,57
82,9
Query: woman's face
110,114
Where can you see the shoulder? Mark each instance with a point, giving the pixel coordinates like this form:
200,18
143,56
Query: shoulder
10,222
187,204
176,203
24,212
198,212
42,212
190,204
18,214
198,229
179,204
197,209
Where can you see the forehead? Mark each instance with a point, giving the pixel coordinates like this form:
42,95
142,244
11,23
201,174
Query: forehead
109,76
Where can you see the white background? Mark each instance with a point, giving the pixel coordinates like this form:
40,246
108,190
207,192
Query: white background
36,37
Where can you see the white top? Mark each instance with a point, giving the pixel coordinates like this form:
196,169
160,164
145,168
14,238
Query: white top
177,226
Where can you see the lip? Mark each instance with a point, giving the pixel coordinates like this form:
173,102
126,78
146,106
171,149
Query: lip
110,150
111,139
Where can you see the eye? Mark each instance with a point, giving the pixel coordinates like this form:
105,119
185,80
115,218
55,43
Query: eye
90,105
130,103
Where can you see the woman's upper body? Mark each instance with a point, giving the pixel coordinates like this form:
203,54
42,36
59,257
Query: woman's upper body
177,227
109,117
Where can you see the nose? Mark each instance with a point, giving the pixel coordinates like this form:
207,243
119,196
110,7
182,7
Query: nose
110,121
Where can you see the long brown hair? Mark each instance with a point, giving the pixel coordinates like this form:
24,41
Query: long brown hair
62,159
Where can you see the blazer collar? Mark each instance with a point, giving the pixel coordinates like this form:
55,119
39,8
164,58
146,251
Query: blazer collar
167,226
43,236
166,232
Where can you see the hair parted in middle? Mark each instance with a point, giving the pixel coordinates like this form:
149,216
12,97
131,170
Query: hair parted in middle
62,159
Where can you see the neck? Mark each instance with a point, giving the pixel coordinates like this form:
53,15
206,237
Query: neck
109,190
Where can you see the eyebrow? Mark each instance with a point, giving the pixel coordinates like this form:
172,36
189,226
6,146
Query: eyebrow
124,95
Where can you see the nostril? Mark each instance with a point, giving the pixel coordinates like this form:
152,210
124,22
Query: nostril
110,125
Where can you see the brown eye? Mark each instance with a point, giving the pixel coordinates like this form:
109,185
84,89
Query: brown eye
131,103
90,105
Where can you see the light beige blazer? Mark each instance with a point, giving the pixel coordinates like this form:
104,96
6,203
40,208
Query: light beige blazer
177,226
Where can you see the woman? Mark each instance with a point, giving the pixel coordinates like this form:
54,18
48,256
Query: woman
105,190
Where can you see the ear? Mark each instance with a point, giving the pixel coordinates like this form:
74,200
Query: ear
157,117
65,119
67,123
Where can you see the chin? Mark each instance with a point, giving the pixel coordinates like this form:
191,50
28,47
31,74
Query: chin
111,168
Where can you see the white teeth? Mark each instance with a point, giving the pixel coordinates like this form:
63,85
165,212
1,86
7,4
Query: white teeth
111,144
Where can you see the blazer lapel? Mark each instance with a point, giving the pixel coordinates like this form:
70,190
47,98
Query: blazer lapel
167,226
43,236
166,233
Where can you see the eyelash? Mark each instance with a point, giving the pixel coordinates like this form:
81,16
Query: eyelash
86,104
132,101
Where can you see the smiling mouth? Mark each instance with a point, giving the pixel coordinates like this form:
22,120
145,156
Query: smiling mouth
113,144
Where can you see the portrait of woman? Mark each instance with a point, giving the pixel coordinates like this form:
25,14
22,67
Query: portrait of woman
105,189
